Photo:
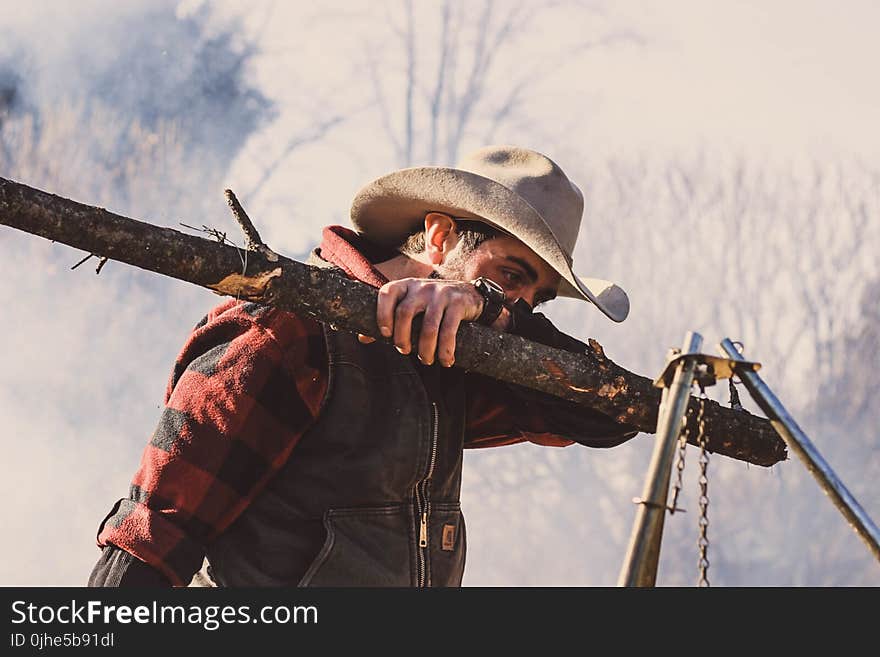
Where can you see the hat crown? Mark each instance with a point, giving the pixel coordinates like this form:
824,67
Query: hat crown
539,181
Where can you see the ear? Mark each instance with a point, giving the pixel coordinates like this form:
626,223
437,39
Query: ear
440,236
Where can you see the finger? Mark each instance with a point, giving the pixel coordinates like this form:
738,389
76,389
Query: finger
428,336
403,316
504,321
365,339
389,296
446,339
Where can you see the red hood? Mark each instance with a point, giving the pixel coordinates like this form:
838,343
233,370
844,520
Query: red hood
353,254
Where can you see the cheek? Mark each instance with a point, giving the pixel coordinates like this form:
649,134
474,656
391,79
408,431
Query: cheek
476,267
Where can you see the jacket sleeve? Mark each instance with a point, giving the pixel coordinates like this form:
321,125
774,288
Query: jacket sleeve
118,568
504,414
246,386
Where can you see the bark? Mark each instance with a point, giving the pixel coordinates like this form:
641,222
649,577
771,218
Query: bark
589,379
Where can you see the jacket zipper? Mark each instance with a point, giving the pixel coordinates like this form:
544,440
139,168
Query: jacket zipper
423,502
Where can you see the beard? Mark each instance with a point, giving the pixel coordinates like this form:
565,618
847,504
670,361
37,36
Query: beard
451,270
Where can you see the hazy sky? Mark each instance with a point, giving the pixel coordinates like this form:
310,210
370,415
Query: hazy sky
776,75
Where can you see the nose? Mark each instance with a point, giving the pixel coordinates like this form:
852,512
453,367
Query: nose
522,306
527,295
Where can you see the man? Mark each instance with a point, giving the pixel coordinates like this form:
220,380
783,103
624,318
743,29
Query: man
289,453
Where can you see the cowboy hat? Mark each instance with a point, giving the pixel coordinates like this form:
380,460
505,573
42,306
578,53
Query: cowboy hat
519,191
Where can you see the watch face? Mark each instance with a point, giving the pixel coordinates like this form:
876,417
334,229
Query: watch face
492,285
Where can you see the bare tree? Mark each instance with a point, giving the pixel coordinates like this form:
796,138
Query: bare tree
431,81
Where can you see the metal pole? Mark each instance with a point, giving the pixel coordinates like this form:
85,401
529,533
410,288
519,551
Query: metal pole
643,555
798,442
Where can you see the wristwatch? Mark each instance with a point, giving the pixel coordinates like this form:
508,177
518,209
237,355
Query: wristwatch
493,299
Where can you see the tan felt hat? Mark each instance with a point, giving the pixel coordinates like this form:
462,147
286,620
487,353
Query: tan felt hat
517,190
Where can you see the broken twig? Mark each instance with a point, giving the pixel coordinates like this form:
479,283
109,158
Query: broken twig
101,262
91,255
253,240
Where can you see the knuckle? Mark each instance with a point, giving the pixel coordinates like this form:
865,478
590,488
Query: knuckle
434,312
453,318
405,309
430,326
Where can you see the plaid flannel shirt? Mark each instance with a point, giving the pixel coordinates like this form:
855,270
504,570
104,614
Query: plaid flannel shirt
248,383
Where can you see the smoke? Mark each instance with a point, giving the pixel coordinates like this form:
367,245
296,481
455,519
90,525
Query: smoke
140,109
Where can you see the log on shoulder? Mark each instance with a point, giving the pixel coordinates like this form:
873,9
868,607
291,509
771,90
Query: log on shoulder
590,379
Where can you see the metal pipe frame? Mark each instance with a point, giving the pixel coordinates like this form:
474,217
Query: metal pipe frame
800,444
643,555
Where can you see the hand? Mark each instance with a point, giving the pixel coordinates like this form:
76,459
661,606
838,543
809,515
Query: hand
445,305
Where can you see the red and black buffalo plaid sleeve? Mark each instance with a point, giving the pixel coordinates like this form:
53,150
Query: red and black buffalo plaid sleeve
248,383
505,414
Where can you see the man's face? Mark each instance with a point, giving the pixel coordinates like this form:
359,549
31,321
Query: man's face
508,262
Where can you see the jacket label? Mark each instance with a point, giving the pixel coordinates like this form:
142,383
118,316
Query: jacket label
448,541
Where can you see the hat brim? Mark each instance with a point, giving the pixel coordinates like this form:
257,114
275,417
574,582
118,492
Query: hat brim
389,209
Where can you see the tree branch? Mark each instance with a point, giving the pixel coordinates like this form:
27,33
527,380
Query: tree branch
589,379
379,96
317,132
253,241
436,99
410,45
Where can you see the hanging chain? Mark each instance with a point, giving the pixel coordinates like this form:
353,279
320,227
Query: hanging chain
703,541
702,443
679,466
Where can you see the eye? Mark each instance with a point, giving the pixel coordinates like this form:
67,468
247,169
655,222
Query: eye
514,278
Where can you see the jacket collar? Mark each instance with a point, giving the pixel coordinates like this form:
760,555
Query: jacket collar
353,254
